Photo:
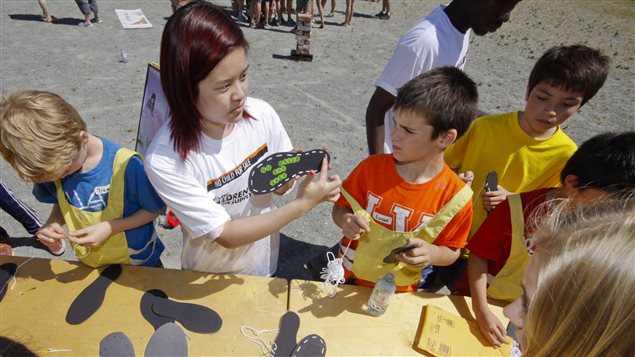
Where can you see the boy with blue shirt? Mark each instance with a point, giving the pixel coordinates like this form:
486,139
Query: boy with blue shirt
98,189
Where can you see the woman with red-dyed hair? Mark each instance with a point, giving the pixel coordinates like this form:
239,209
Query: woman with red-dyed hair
199,161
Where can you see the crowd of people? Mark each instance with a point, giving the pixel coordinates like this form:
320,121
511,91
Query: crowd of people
256,13
264,13
89,9
553,237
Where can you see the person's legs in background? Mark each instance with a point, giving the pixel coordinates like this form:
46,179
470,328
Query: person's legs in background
385,10
46,15
258,14
332,7
85,8
95,9
268,11
290,21
320,12
275,17
349,12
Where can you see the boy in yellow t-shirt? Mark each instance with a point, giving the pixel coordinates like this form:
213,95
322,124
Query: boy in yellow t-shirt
527,149
603,166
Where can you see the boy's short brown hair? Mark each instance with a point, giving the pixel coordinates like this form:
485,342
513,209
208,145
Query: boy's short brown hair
40,134
445,96
577,68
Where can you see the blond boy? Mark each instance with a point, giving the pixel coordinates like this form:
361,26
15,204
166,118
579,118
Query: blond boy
98,189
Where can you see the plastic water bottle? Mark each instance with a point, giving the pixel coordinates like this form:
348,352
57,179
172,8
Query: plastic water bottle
382,293
124,57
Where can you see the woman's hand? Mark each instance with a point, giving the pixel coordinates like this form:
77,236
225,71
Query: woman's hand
325,188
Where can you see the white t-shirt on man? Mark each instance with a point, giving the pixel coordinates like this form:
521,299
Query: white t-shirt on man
432,42
210,187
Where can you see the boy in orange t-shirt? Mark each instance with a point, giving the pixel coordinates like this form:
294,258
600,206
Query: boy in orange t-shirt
404,190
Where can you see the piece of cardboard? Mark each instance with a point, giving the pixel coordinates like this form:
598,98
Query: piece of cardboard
444,334
155,109
305,17
33,312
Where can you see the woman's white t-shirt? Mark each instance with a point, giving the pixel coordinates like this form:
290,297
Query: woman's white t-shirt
210,187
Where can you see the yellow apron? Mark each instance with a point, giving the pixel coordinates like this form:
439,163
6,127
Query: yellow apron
373,246
506,285
113,250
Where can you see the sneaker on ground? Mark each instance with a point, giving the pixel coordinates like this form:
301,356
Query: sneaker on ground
385,16
273,22
85,24
96,21
290,22
379,14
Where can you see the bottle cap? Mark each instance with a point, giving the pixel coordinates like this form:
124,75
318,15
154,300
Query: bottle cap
389,277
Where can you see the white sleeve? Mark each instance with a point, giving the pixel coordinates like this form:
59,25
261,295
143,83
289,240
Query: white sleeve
403,66
279,140
186,194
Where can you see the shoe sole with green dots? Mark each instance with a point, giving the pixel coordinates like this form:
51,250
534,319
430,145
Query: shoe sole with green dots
277,169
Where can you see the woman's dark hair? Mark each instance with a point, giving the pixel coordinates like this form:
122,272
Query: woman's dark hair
195,39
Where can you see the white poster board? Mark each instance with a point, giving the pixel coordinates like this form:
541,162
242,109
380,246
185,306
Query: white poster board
154,109
133,19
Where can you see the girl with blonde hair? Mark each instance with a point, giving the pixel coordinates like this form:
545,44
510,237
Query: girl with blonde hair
579,286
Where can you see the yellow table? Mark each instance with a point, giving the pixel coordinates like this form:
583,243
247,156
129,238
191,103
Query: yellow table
33,312
351,331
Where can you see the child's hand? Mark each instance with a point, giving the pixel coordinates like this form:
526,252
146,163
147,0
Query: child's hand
50,233
420,256
354,226
91,236
494,198
492,328
325,188
467,177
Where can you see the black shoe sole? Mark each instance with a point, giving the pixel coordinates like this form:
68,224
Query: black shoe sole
275,170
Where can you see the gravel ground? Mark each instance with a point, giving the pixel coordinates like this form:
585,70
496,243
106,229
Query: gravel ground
322,103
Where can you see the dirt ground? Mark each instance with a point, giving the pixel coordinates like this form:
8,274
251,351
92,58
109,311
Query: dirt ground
321,103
